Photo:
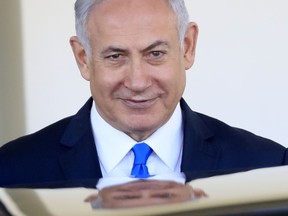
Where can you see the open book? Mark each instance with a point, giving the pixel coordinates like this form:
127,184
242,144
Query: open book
245,193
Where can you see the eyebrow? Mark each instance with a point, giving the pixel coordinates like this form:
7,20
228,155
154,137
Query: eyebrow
113,49
155,44
122,50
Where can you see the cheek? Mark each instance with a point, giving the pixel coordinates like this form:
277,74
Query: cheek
103,82
175,81
180,77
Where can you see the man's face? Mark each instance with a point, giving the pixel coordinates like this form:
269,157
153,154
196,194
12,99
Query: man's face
137,67
145,193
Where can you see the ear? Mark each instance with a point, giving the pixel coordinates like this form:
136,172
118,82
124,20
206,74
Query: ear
190,41
80,57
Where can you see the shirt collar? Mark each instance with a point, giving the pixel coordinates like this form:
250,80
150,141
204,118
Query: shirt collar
113,145
167,141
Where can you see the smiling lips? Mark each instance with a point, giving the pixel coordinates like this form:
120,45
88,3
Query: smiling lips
139,103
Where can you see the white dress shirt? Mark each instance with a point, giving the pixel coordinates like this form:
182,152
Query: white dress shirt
114,147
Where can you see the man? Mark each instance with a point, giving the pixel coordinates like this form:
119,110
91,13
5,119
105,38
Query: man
134,53
144,193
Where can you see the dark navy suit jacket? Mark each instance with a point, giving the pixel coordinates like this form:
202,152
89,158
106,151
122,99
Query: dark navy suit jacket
65,151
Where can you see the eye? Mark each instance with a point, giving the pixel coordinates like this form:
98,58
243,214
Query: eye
164,195
114,56
126,197
156,54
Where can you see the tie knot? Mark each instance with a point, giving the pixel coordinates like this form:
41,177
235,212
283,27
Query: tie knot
141,153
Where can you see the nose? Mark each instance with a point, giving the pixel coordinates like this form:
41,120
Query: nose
137,78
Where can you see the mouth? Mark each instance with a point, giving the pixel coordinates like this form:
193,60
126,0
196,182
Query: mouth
139,103
147,185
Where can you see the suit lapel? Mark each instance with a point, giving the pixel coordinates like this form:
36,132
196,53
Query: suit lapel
199,153
79,158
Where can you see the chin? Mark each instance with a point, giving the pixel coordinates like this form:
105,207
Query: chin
143,127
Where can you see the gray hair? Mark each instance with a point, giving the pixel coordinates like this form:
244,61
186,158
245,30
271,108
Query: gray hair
84,7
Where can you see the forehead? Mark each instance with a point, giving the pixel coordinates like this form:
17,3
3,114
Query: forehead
128,17
112,7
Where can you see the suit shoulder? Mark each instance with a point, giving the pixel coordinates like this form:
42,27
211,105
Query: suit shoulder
223,134
50,134
53,132
37,153
234,137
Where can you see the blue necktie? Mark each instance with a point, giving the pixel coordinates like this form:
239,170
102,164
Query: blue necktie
141,153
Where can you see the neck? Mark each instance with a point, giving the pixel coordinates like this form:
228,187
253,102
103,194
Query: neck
139,137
